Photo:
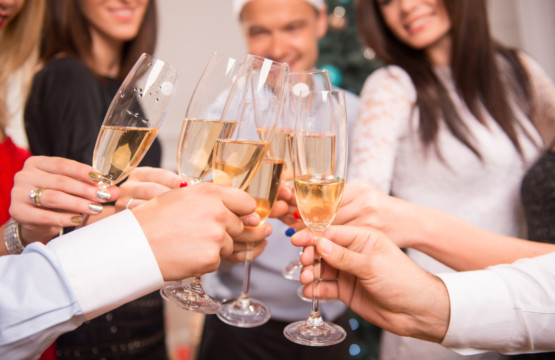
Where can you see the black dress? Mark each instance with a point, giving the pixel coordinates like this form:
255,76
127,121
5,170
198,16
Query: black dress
538,200
63,116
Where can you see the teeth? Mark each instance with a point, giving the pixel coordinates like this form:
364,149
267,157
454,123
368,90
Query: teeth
418,22
123,12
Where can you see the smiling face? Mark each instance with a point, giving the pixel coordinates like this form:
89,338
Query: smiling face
8,10
421,24
117,20
284,30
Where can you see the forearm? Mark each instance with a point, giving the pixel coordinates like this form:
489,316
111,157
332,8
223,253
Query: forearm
463,246
509,308
36,306
51,289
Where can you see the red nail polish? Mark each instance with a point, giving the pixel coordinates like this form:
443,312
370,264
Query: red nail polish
297,215
183,184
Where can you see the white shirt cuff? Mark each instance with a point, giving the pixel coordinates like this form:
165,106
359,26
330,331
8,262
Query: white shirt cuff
482,312
108,263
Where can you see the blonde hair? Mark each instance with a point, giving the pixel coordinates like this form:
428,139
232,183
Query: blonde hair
20,40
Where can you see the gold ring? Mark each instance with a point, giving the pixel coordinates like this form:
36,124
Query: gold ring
35,196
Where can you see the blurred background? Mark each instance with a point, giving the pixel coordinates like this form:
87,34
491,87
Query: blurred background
191,30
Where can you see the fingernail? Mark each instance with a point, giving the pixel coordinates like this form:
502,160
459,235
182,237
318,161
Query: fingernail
76,219
289,232
251,220
297,215
103,195
96,208
324,247
95,176
183,184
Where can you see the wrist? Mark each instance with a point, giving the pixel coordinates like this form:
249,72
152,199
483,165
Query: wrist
432,322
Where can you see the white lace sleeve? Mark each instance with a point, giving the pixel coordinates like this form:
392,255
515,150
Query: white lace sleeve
387,100
544,98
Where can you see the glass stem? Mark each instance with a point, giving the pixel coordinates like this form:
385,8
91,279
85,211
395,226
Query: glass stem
196,285
315,318
246,273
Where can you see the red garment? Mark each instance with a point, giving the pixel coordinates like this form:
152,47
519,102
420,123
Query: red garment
11,161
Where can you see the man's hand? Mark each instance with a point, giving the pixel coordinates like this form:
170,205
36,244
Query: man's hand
191,229
378,281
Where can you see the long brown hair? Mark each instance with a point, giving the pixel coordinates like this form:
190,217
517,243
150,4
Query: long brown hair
19,38
66,31
474,65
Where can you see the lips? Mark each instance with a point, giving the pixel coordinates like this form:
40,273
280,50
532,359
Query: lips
126,14
417,24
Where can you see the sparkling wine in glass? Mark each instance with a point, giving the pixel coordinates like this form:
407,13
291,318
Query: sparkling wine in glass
202,127
243,161
319,165
298,83
133,119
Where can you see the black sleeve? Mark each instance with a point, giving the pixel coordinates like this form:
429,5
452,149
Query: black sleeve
64,111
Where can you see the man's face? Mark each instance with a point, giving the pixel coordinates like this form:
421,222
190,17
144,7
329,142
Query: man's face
284,30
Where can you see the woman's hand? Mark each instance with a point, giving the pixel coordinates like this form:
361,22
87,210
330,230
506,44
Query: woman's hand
64,190
364,205
145,183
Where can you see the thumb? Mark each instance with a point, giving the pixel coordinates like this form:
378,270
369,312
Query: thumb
339,257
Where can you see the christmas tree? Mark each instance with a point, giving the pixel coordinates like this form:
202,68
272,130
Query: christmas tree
342,52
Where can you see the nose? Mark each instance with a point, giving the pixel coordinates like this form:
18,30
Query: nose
407,5
278,47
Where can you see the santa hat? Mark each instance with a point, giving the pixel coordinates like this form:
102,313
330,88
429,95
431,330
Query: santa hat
239,4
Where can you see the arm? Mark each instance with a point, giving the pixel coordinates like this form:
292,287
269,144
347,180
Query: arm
48,290
507,308
446,238
543,92
386,103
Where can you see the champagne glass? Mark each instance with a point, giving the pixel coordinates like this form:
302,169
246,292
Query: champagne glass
133,119
242,162
298,83
319,165
202,126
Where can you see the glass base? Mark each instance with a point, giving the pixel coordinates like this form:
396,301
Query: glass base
245,313
189,298
304,298
292,270
314,332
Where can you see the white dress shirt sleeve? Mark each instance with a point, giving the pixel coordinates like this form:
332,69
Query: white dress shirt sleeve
52,289
509,308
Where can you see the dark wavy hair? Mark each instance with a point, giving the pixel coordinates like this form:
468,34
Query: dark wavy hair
66,31
474,65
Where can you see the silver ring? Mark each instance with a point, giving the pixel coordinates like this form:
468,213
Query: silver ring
35,195
129,203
